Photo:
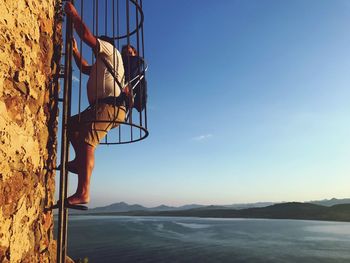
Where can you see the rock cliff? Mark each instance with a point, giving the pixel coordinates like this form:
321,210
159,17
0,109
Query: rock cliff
30,47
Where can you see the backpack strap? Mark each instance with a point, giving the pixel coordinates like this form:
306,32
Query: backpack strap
111,71
128,97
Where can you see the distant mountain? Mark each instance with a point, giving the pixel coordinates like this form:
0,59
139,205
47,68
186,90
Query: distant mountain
331,202
124,207
210,207
161,208
173,208
186,207
293,210
118,207
250,205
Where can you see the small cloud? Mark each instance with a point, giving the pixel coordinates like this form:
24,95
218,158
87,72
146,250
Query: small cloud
75,78
202,137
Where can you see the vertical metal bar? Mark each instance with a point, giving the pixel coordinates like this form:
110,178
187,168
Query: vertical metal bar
93,27
113,32
106,15
118,23
127,22
114,68
63,212
128,41
143,56
96,92
118,47
142,38
81,60
69,101
139,61
137,29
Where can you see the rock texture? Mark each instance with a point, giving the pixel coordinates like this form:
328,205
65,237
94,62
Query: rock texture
30,46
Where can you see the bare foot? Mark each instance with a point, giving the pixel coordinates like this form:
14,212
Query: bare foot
77,199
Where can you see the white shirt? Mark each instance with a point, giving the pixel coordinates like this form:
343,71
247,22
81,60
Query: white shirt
101,83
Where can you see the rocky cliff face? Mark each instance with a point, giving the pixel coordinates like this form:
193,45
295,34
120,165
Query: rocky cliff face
29,56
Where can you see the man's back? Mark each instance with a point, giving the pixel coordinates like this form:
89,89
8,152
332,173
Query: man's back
101,83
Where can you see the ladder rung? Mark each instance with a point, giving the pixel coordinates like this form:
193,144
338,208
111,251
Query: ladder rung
67,205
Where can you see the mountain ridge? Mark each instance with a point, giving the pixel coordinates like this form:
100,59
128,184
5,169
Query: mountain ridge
290,210
124,207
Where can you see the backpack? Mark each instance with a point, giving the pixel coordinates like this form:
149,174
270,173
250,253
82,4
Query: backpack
134,75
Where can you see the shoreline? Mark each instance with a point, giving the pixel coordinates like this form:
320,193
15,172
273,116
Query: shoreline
287,211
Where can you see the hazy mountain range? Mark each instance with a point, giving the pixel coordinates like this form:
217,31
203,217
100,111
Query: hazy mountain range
124,207
329,210
292,210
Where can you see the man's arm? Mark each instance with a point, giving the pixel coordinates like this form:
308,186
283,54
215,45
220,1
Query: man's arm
80,27
85,67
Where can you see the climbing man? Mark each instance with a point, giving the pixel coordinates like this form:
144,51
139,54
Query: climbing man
106,109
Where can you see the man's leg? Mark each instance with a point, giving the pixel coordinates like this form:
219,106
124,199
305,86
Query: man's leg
86,161
74,139
75,128
85,151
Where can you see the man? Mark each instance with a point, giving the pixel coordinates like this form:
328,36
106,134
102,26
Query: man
106,106
128,50
134,67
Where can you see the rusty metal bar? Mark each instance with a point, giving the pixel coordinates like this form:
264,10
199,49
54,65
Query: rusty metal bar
63,211
81,61
144,67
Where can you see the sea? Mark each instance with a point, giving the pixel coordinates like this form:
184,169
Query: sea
109,239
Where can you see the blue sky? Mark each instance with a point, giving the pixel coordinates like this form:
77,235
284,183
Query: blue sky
248,102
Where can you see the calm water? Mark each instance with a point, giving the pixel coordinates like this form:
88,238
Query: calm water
105,239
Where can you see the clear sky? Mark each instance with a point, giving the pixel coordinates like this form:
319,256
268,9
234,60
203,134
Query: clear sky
248,102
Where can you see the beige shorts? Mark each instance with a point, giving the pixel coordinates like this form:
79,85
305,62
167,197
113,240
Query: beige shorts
94,123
